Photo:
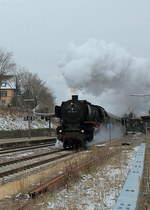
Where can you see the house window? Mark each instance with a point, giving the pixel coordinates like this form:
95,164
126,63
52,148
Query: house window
4,84
3,101
3,93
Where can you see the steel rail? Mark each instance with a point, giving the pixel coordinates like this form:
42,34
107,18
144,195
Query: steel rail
28,158
59,180
31,165
24,148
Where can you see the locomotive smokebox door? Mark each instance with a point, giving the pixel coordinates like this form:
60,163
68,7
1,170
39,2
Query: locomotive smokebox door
75,97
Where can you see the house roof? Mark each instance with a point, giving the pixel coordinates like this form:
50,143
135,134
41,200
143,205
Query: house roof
8,84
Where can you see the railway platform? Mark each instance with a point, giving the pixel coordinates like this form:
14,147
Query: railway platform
25,141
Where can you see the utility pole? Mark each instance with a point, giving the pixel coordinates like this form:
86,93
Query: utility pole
28,101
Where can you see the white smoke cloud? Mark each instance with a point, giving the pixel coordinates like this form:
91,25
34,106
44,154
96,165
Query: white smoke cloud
106,74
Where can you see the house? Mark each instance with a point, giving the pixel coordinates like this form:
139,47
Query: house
7,91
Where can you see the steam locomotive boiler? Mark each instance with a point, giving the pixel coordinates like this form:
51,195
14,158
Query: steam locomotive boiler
78,119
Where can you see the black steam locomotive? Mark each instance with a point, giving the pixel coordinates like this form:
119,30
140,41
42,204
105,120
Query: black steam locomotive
78,119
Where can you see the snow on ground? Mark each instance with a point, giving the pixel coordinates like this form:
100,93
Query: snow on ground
12,122
97,190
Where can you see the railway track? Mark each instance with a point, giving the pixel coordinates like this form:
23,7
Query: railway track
26,158
14,166
6,151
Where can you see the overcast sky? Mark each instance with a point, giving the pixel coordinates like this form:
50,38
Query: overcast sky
38,32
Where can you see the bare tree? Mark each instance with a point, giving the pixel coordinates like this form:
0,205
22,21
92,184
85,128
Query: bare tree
28,84
32,87
6,65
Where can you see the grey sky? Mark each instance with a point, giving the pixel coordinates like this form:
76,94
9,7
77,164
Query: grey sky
39,31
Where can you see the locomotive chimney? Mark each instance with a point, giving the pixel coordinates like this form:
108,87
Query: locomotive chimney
74,97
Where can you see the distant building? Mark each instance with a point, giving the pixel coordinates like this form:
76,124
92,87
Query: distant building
7,91
146,120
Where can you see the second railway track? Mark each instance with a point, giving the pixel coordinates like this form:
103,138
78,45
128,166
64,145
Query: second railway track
27,158
6,151
13,167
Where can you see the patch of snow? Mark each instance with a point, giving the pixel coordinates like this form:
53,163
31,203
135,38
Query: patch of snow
100,145
136,148
95,191
24,154
12,122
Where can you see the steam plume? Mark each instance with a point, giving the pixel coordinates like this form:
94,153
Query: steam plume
106,74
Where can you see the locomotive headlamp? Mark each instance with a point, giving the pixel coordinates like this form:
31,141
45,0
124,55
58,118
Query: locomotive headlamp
82,131
60,131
